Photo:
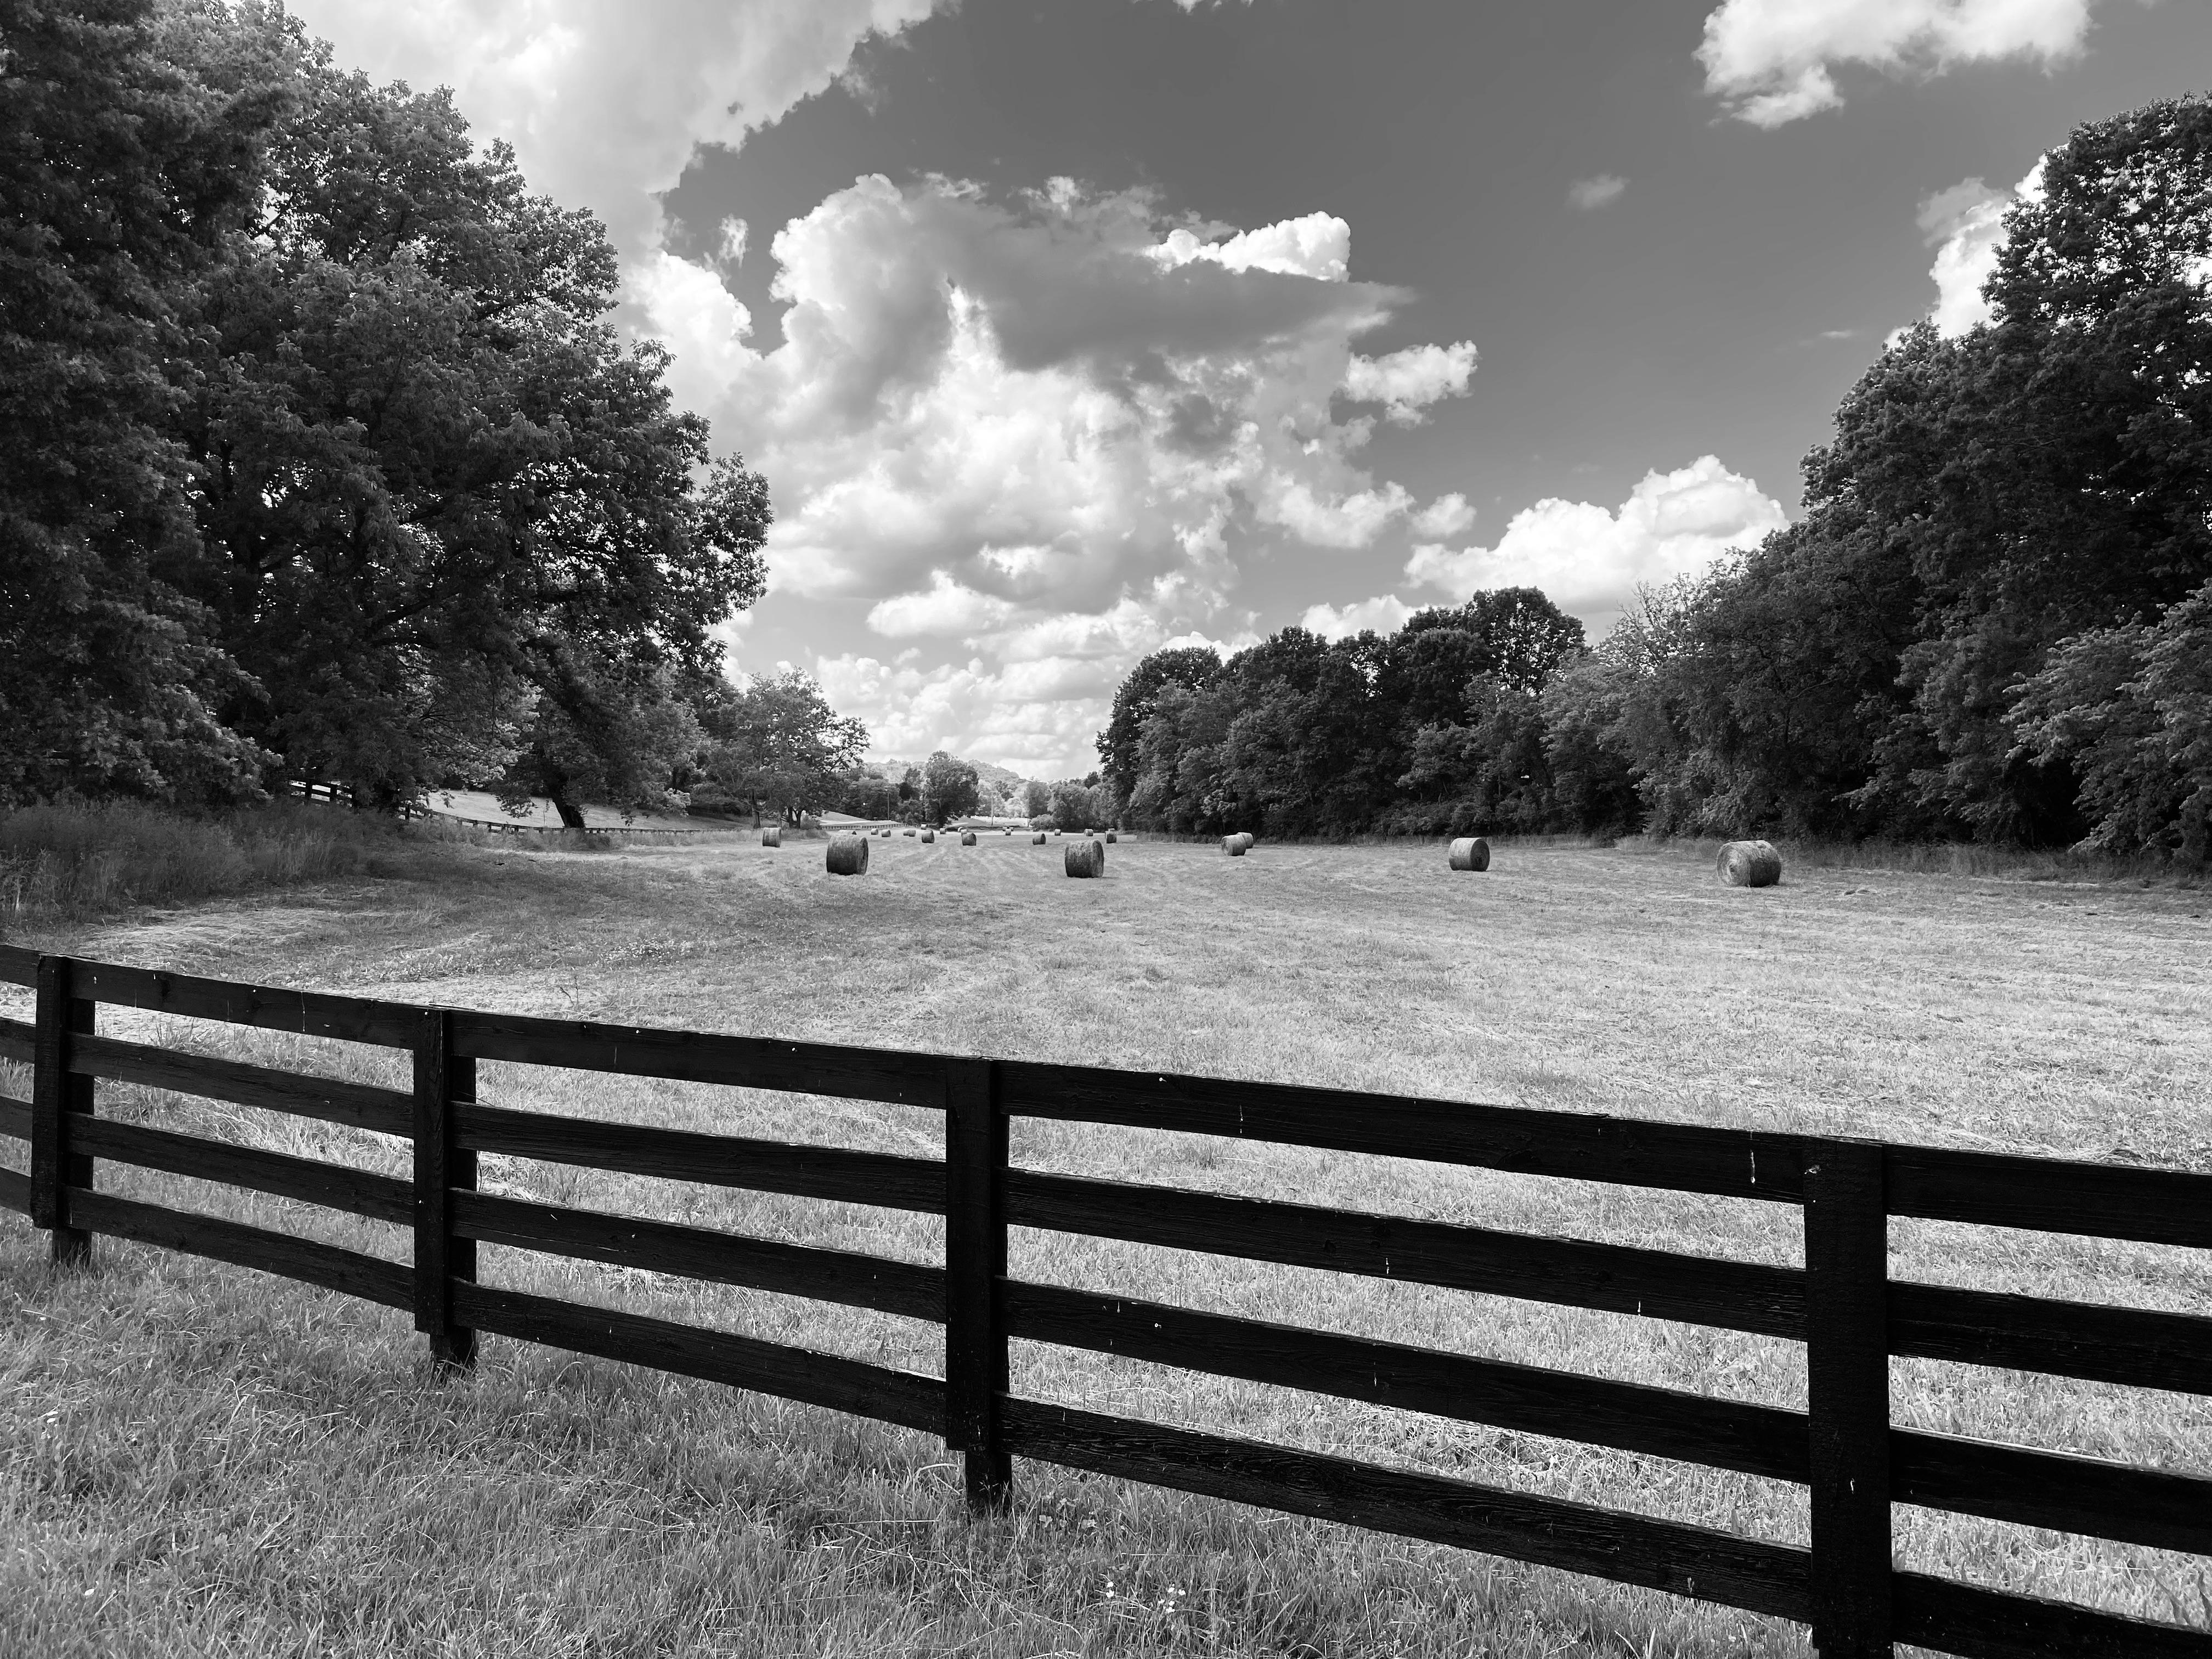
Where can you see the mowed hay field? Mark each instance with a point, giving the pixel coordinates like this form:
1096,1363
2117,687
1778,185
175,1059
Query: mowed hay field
202,1460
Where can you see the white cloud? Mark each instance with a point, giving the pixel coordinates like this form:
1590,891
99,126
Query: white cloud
1966,225
604,102
1017,425
1447,516
1589,560
1602,191
1772,60
1317,245
1408,381
1385,614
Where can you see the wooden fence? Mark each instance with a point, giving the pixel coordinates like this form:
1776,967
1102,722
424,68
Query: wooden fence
337,794
1841,1304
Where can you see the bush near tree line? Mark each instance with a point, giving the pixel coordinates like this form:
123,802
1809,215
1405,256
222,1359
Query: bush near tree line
1992,621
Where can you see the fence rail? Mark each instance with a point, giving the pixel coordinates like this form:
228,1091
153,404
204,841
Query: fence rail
1841,1304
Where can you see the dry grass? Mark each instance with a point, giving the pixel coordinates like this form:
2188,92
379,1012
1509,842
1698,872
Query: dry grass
199,1459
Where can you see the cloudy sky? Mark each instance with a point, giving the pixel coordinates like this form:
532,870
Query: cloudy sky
1067,330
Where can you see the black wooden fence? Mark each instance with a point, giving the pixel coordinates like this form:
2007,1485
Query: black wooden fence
1841,1304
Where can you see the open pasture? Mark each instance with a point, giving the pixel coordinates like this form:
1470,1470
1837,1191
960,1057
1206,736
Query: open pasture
557,1505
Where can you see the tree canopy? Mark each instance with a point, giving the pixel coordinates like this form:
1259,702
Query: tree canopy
326,458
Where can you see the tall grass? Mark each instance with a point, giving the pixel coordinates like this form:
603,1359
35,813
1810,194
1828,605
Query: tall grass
67,860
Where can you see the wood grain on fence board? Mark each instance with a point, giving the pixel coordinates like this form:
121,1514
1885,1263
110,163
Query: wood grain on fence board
1726,1434
311,1013
976,1353
2059,1490
346,1271
2137,1347
1986,1624
19,965
14,1118
358,1105
1575,1146
885,1180
904,1288
817,1379
15,1191
1621,1279
885,1074
19,1042
2097,1200
1631,1549
281,1175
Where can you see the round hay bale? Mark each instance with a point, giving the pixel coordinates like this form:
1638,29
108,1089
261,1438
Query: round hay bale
1470,853
1006,832
1086,858
908,834
928,836
1037,839
772,835
1233,845
967,837
1750,864
848,856
1247,838
1111,838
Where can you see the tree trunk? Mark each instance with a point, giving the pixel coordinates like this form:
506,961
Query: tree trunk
571,816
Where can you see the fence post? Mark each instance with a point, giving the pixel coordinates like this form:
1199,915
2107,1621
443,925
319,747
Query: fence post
1847,1396
56,1093
443,1079
975,1262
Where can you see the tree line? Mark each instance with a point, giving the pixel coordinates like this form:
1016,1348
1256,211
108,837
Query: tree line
1992,619
319,456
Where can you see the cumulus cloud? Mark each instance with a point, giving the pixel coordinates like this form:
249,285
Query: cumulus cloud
1965,225
1590,559
1020,425
1602,191
1447,516
1771,61
603,104
1406,382
1385,614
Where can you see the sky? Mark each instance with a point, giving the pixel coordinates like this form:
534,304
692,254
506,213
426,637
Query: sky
1068,331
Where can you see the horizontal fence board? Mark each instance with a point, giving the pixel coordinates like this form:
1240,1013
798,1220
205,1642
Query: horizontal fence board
1575,1146
2134,1347
2097,1200
360,1105
311,1013
882,1179
1987,1623
858,1281
19,1042
742,1362
1631,1549
358,1192
15,1191
812,1069
1733,1295
1660,1422
14,1118
2056,1490
19,966
349,1272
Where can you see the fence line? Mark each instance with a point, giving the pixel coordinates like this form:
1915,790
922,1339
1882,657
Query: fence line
1841,1304
339,794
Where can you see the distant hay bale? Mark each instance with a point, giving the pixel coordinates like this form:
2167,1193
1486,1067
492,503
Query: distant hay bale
1006,832
1233,845
1111,838
967,837
772,835
908,834
1086,858
1470,853
848,856
927,836
1037,839
1750,864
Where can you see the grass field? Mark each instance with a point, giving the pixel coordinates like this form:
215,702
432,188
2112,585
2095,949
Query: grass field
197,1459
